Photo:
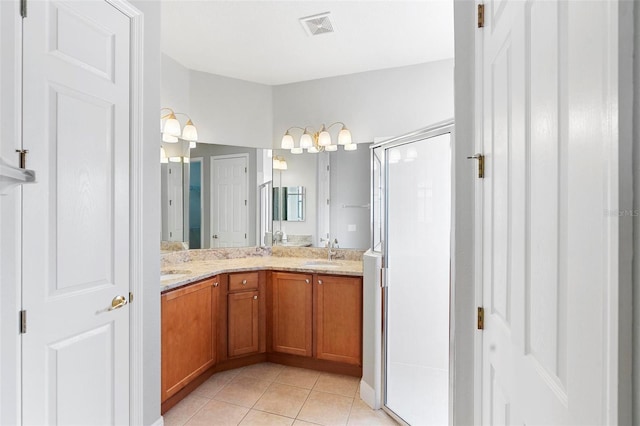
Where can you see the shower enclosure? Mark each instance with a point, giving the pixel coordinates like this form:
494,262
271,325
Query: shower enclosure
411,218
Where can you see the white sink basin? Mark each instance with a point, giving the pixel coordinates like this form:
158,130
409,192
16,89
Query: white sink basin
173,275
322,264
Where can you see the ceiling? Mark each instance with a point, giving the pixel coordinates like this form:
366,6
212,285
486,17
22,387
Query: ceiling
264,41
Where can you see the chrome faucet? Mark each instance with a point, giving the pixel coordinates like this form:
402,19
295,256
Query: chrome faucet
331,245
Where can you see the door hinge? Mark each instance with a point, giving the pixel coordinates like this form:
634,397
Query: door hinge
481,16
22,153
23,8
245,236
130,297
480,159
23,322
245,170
245,202
480,318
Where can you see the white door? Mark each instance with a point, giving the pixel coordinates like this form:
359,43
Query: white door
229,187
75,352
549,247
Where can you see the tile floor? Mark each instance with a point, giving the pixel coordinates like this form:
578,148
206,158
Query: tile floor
272,394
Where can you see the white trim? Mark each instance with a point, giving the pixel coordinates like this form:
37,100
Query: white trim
136,213
159,422
246,179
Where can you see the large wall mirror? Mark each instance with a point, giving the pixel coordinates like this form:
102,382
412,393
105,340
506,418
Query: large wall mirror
336,199
214,196
325,197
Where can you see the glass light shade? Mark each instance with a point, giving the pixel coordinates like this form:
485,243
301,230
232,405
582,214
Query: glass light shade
283,164
168,138
412,154
324,138
163,156
344,137
313,150
185,160
331,148
296,150
192,144
394,156
172,126
276,164
189,133
287,141
351,147
306,141
175,159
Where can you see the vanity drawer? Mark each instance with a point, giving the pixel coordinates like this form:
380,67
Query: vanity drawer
243,281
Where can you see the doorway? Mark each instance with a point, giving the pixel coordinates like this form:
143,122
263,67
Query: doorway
195,203
229,203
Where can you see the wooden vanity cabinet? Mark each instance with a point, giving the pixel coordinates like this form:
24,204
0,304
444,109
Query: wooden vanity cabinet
245,314
291,313
189,333
317,316
338,318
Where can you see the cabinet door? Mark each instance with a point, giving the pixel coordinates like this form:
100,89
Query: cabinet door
292,316
243,333
339,319
188,334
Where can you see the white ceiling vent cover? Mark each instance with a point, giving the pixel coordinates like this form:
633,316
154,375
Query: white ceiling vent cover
317,24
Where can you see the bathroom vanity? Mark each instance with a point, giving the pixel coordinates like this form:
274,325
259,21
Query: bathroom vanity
224,309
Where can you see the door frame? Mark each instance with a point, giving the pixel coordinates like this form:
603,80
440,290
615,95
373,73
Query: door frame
246,185
10,341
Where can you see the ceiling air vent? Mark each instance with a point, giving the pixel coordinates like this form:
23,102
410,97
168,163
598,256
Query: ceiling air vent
317,24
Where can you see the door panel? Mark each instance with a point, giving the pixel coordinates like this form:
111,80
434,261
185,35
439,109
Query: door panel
548,80
76,218
292,313
229,202
417,297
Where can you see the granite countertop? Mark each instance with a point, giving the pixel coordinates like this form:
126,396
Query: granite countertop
181,268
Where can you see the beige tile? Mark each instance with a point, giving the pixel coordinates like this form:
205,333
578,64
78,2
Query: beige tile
334,383
326,409
212,386
243,391
263,371
282,399
300,377
218,413
303,423
362,415
260,418
184,410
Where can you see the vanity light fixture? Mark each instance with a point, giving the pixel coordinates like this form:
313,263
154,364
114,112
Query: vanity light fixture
317,141
171,130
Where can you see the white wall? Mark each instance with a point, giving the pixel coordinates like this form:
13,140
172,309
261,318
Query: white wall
372,104
176,86
464,292
636,219
150,299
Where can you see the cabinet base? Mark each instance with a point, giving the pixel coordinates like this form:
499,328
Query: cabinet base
315,364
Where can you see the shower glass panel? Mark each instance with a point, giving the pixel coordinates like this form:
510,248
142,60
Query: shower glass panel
417,253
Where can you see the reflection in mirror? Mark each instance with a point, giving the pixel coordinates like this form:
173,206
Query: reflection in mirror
337,197
210,199
291,209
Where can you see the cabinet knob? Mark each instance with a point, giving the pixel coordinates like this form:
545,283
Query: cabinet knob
320,282
255,297
244,282
307,281
216,284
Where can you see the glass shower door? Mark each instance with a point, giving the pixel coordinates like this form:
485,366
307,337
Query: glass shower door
417,258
